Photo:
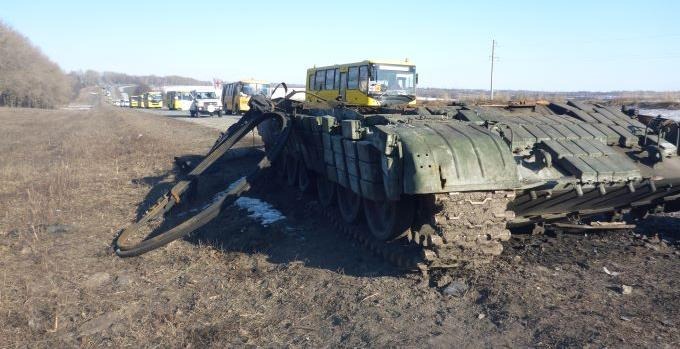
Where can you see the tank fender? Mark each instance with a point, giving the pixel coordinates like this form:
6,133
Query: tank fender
453,156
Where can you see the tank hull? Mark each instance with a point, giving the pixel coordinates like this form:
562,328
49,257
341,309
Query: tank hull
466,175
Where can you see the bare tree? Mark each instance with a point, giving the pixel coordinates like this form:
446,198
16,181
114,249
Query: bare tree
27,77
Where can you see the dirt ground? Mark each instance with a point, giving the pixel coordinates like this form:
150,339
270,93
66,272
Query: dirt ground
69,180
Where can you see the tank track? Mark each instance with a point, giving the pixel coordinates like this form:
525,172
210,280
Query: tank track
465,229
402,255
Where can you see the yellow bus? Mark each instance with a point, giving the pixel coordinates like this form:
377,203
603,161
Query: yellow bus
178,100
134,101
235,95
368,83
153,99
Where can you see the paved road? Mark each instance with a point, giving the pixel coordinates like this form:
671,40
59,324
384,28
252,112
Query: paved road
220,123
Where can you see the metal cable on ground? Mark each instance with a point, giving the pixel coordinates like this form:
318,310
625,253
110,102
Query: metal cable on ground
125,248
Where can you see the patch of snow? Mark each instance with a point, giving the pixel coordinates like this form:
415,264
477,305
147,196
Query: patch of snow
668,113
259,210
218,196
232,186
77,107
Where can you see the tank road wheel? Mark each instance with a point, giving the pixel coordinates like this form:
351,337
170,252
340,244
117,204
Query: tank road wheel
349,204
389,219
326,191
291,170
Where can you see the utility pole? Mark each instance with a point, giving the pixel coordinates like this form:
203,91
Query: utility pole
493,58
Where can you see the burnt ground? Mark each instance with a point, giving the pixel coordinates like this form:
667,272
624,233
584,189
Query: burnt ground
70,179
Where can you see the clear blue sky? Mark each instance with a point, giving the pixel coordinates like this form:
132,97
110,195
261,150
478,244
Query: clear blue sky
543,45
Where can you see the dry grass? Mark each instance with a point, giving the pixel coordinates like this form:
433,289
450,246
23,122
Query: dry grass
51,175
84,172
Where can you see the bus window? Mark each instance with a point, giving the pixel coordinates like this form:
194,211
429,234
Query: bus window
337,79
363,78
320,78
248,90
310,83
330,79
353,78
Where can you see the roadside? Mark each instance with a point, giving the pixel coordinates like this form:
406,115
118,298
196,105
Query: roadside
219,123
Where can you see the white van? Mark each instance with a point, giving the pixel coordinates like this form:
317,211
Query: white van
205,102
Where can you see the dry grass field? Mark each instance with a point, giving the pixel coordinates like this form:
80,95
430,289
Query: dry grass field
70,179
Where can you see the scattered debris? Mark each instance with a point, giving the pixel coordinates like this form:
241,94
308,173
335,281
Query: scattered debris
456,288
625,289
625,318
481,316
612,273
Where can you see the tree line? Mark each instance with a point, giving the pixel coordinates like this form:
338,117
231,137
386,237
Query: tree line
92,78
28,78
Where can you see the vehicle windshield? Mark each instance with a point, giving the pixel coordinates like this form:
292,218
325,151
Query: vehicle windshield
393,80
251,89
185,96
155,97
206,95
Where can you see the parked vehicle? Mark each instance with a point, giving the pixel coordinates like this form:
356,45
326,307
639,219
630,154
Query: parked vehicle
369,83
153,99
235,95
178,100
205,102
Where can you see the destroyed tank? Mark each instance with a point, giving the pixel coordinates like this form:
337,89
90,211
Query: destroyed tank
452,183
